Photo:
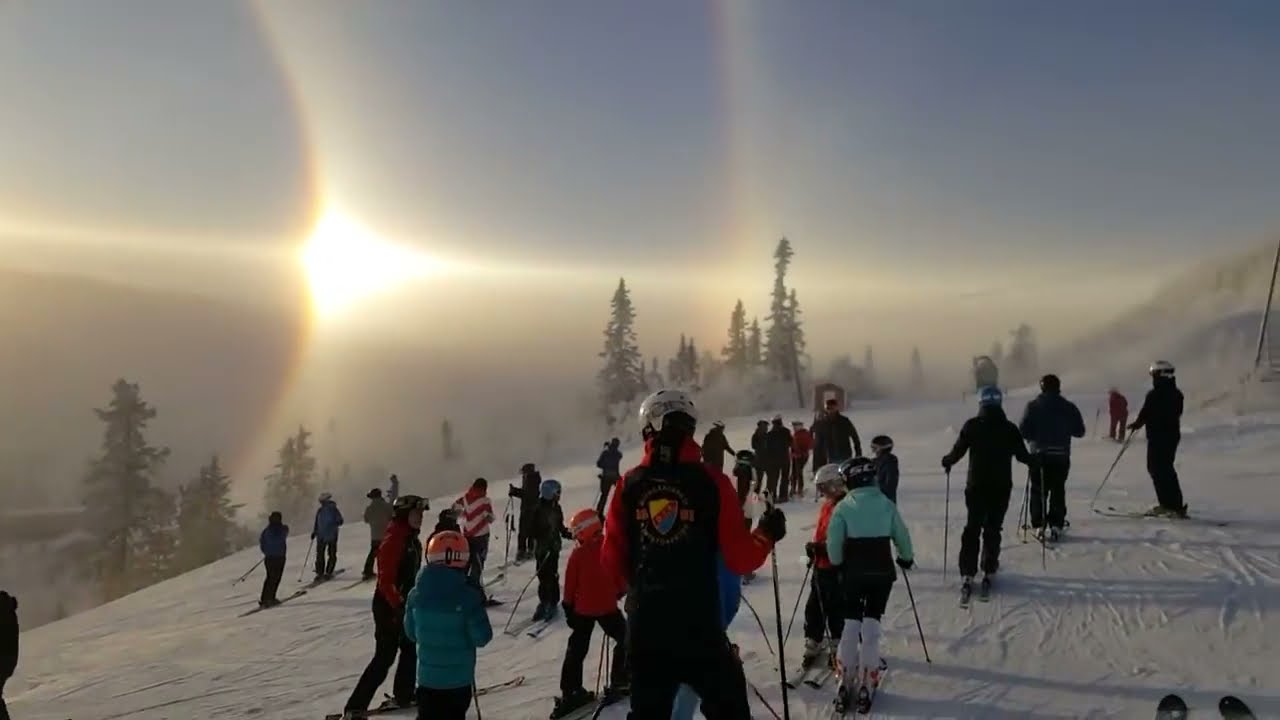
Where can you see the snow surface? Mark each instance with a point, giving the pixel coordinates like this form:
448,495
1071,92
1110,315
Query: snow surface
1125,611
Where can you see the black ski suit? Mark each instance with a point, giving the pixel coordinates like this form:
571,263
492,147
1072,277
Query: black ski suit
777,461
835,440
1048,424
758,447
399,559
528,495
991,441
549,533
714,447
608,463
1161,415
8,644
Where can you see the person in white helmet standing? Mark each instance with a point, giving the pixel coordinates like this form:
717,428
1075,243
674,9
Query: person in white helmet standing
1161,415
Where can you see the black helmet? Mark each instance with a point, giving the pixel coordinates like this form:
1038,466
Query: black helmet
1051,384
858,472
527,468
275,518
746,457
374,493
406,504
881,443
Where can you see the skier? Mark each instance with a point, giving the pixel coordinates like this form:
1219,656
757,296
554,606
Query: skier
8,644
777,459
886,466
475,513
527,494
715,445
399,558
744,474
1118,409
758,440
1161,415
446,521
1048,424
445,617
590,599
823,616
801,446
992,441
325,533
548,530
835,439
609,462
273,542
393,489
730,585
376,515
668,520
858,538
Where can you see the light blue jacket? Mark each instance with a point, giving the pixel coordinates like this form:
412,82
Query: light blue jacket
869,518
686,702
447,619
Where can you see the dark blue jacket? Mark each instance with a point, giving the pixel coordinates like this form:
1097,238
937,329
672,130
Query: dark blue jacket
887,475
609,462
328,520
274,540
1049,423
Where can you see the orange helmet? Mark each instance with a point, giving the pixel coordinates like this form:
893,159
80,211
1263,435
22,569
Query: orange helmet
450,549
585,525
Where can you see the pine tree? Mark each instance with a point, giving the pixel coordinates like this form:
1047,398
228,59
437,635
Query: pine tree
796,328
778,353
291,488
735,351
691,373
869,362
917,369
622,377
446,441
678,366
207,527
1023,358
157,540
125,520
755,351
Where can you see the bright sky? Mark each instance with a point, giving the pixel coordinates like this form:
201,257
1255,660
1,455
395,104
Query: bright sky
997,159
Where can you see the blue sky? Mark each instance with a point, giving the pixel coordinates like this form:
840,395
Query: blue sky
965,146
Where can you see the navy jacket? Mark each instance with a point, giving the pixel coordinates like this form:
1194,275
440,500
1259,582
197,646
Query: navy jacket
1049,423
274,540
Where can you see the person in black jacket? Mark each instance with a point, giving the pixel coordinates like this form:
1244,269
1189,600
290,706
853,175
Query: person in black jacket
991,441
8,644
530,481
714,446
777,460
1048,424
548,531
609,462
1161,415
835,439
758,447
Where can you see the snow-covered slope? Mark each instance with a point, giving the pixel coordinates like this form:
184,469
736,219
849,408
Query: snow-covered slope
1122,612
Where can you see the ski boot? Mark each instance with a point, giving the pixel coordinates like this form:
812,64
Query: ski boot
550,612
571,701
846,695
812,650
1055,534
540,613
966,590
984,591
355,715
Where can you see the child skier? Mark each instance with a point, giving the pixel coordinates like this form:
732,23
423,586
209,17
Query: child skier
822,616
744,473
273,542
445,616
548,529
590,599
858,538
886,466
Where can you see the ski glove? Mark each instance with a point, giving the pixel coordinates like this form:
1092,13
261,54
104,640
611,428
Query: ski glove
815,550
946,464
906,564
513,491
773,523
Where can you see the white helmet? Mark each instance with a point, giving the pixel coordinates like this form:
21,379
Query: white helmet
326,497
828,479
1161,369
659,405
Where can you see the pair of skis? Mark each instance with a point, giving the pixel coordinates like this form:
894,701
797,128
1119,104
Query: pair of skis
592,708
392,709
1230,707
324,579
260,608
1148,515
861,697
813,674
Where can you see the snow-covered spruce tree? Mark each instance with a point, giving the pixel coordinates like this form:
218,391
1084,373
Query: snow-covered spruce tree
777,335
917,369
692,372
622,377
755,349
207,529
796,330
735,350
120,494
677,366
291,488
156,540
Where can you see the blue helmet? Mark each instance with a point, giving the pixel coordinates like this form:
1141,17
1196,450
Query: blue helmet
990,396
549,489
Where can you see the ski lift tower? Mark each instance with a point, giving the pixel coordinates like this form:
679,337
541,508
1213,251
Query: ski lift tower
1266,362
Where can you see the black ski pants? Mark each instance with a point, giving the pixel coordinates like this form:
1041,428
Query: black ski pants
822,611
450,704
714,673
4,711
1048,479
744,485
275,571
607,482
986,507
1162,450
371,558
479,547
330,548
798,463
389,641
866,599
614,626
549,576
525,542
778,481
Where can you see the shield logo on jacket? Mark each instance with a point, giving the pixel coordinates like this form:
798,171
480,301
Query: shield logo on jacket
663,513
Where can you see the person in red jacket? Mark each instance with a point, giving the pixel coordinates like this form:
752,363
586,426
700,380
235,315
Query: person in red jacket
590,599
668,519
801,446
475,515
1118,405
823,616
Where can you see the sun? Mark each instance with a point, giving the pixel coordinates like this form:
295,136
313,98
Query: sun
346,263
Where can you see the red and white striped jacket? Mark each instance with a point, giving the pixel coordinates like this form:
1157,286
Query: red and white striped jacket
475,513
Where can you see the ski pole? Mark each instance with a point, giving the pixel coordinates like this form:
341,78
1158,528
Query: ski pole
600,664
242,577
803,583
946,527
906,578
1125,446
506,521
1044,517
302,570
760,623
777,609
1024,515
475,697
516,605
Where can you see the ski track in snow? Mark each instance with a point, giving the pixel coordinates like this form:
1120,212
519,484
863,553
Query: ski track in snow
1125,611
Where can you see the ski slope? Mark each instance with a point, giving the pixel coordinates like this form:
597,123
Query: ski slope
1124,611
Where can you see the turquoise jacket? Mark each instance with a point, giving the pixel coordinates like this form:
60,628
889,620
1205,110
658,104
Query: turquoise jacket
862,526
447,619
